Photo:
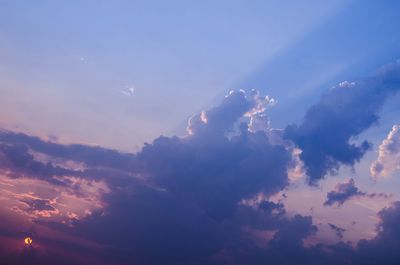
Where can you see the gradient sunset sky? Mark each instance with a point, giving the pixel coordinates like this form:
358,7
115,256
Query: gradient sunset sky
200,132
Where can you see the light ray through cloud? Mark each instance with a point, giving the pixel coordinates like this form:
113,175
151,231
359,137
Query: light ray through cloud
261,132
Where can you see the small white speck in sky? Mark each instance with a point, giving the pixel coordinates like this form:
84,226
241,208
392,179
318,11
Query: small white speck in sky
129,91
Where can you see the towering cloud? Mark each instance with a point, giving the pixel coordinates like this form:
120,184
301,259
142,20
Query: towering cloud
326,133
388,155
217,166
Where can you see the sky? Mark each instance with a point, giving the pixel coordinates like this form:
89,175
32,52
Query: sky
199,132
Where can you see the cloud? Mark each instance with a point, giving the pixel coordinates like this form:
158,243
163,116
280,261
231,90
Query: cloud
383,249
342,193
179,232
90,155
347,190
205,198
23,156
292,234
338,230
16,159
216,166
388,155
39,205
180,197
328,128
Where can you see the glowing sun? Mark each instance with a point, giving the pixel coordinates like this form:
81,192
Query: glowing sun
28,241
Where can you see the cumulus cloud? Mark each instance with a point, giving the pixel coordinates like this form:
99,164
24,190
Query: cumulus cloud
214,169
180,197
388,155
347,190
383,249
201,199
328,128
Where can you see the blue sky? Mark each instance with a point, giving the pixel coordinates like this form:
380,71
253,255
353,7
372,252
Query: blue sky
124,123
180,57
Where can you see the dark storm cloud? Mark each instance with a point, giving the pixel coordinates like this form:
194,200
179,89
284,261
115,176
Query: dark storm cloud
326,133
347,190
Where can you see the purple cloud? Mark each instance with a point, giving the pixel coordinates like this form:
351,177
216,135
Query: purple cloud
341,114
184,200
338,230
347,190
